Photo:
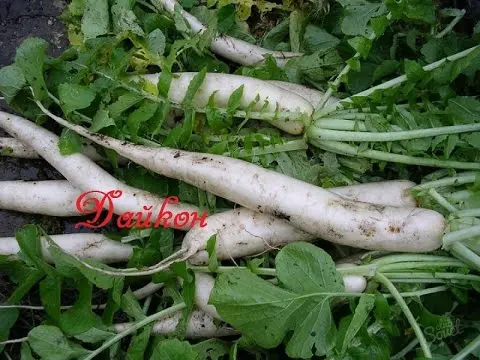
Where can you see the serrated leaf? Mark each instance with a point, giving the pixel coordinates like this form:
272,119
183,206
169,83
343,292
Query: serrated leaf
265,313
75,97
96,18
414,71
8,318
69,143
29,59
173,349
11,81
50,343
156,42
50,294
131,306
361,44
146,110
124,103
365,305
465,109
358,14
125,19
316,38
101,120
226,18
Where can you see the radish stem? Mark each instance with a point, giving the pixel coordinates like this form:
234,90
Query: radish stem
406,310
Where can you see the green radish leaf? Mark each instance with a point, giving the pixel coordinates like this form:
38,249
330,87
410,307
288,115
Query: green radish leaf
173,349
212,253
466,110
26,352
11,81
138,344
146,110
8,318
96,18
50,343
156,42
124,103
235,100
317,39
414,71
252,304
31,246
358,14
226,18
50,294
420,10
278,36
80,317
77,7
193,87
211,349
29,59
101,120
361,44
365,305
75,97
125,20
69,143
297,21
311,264
131,306
94,336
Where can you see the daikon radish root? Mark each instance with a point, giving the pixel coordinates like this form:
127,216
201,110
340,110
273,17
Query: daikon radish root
17,149
53,197
83,245
233,49
271,97
307,207
200,325
133,205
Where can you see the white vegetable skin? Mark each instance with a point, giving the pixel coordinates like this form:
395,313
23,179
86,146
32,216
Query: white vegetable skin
225,84
83,245
230,48
307,207
200,325
84,174
353,283
22,151
242,232
313,96
53,197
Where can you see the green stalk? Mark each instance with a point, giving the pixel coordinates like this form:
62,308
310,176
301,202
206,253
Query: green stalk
441,200
462,252
344,72
149,319
411,319
464,178
339,124
350,150
270,149
396,81
450,26
435,275
402,353
468,213
392,259
423,292
468,349
335,135
460,235
421,265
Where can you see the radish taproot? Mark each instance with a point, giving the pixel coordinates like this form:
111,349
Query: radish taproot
199,325
82,245
99,187
305,206
311,95
16,149
266,96
233,49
